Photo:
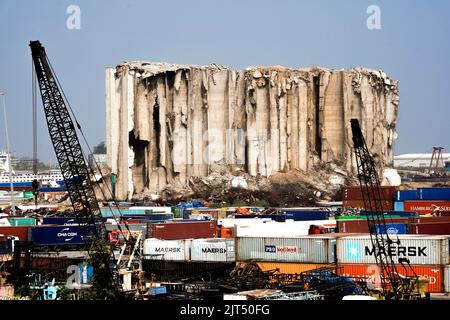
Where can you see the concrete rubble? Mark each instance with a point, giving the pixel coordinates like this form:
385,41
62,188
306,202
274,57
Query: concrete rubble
171,126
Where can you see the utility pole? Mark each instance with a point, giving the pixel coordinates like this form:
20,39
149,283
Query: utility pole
13,205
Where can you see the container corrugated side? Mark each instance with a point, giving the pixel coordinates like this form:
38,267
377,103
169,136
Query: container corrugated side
169,250
434,193
214,250
419,249
288,268
371,272
447,279
405,195
306,249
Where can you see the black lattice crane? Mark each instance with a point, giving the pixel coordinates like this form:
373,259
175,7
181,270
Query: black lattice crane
393,285
74,170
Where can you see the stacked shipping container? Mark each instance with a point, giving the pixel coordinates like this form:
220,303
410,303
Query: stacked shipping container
353,198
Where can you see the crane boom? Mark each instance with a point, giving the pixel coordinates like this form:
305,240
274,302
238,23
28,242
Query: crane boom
73,167
393,285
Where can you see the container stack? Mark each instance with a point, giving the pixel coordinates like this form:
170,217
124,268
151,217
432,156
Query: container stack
428,255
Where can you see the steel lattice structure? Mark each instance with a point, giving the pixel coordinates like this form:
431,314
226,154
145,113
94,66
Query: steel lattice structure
370,188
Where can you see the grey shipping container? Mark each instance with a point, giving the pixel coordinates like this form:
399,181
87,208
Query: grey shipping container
419,249
307,249
213,250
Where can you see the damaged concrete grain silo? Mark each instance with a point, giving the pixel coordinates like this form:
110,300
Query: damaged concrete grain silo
168,124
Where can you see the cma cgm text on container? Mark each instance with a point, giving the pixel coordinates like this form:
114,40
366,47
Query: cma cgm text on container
419,249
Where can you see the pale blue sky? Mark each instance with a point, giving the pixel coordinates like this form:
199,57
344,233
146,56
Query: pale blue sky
412,47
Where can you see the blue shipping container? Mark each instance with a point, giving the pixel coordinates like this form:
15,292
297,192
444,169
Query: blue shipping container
434,193
156,291
305,215
399,206
392,228
406,195
59,235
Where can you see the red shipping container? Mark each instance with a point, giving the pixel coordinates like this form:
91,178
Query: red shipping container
430,228
425,207
434,274
18,231
182,230
361,225
429,219
354,193
386,205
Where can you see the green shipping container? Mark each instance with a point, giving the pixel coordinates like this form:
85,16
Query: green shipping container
28,194
22,221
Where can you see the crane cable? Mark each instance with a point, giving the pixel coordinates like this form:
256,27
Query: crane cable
89,148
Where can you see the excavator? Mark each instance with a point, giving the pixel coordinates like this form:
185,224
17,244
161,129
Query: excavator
394,285
112,277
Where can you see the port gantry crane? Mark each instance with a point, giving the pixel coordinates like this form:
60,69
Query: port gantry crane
77,180
394,286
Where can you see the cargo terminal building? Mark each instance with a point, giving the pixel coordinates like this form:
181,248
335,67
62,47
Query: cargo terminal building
419,160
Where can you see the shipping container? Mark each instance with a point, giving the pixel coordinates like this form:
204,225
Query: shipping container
281,229
359,204
425,219
402,214
60,235
86,273
355,193
426,207
434,193
22,221
371,272
305,215
419,249
62,221
392,228
170,250
232,222
213,250
307,249
388,216
439,228
399,206
227,232
182,230
406,195
288,268
447,279
20,232
362,226
275,217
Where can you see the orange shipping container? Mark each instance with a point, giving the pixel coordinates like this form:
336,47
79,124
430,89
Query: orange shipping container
289,268
434,274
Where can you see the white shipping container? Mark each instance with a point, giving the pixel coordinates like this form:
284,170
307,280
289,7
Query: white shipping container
289,228
419,249
447,279
305,249
171,250
231,222
214,250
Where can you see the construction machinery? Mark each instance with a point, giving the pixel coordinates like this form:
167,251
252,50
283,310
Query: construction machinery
394,286
71,160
